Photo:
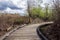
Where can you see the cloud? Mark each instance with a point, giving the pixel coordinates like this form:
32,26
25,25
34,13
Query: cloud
13,6
2,5
10,4
13,11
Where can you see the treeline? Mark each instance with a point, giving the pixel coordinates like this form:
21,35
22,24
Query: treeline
45,14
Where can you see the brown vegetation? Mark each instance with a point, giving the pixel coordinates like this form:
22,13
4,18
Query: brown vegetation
54,30
8,21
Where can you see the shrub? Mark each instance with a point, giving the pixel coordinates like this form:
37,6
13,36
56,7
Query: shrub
38,12
54,30
18,21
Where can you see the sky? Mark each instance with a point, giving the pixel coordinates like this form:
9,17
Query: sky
46,1
15,6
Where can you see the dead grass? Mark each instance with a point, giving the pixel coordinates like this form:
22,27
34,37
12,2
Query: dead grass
7,21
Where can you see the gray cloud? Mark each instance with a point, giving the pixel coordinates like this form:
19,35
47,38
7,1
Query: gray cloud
5,4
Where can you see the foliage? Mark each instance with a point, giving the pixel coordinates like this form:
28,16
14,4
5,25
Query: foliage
35,12
38,12
18,21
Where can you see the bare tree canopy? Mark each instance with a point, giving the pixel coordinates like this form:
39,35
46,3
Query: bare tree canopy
54,31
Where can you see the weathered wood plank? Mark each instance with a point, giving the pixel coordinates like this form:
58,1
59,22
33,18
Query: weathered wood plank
26,33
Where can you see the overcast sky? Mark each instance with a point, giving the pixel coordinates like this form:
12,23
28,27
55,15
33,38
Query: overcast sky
19,6
46,1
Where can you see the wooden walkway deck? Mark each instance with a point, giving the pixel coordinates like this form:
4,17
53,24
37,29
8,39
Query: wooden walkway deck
26,33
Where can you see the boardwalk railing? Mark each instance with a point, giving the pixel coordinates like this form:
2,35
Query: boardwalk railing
40,34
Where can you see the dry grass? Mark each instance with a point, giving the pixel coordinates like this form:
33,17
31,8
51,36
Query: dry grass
7,21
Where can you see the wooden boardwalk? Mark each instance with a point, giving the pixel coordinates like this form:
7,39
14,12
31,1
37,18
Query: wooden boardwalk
26,33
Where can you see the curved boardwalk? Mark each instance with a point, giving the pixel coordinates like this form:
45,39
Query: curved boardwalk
26,33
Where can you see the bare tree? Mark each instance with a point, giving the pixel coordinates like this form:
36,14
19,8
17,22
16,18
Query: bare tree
46,11
54,31
31,6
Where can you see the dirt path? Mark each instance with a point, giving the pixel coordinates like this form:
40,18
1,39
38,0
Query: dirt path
25,33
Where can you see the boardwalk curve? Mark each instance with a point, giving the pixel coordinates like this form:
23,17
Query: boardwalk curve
26,33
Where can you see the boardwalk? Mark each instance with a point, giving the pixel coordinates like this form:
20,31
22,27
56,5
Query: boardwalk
25,33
